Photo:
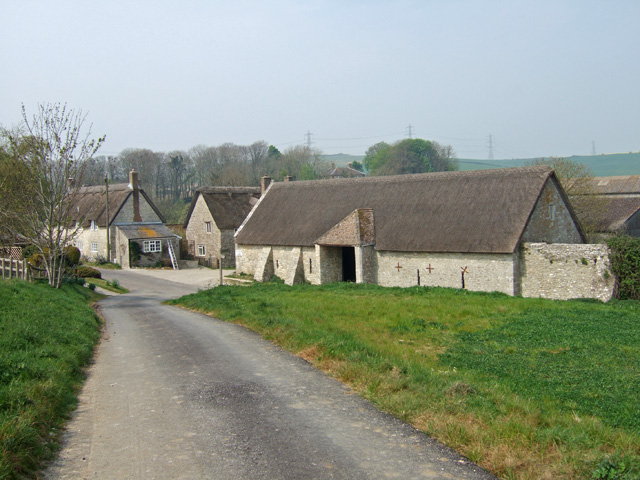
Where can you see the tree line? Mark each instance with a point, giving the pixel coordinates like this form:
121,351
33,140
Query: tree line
175,175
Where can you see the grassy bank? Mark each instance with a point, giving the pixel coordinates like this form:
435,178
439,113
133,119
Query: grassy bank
527,388
47,336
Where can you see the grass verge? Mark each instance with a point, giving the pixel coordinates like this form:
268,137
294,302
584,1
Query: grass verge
112,286
526,388
47,336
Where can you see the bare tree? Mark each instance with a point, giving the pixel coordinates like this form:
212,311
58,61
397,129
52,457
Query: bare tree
52,150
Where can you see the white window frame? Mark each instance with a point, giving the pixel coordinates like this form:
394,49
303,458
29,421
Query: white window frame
94,225
151,246
202,251
207,227
94,247
79,244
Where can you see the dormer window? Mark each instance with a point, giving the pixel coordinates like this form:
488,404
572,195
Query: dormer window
94,226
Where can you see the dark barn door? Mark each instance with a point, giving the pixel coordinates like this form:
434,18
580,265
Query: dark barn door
348,264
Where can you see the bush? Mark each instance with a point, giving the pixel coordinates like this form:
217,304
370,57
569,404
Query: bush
88,272
625,264
72,255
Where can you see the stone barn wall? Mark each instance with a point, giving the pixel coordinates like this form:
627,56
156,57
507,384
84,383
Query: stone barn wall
564,271
482,272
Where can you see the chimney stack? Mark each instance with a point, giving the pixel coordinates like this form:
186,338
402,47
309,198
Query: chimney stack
288,178
133,184
264,183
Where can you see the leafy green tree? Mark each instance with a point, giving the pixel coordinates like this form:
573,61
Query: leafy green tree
409,156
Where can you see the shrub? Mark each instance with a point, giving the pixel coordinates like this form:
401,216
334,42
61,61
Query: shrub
625,264
72,255
88,272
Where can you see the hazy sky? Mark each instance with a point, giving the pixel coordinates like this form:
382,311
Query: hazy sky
541,77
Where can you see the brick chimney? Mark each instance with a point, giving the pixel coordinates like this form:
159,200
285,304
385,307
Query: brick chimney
264,183
133,184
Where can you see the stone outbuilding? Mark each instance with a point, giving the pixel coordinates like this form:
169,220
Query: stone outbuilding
138,235
507,230
213,218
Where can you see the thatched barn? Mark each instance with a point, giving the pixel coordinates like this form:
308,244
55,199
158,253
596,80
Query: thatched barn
455,229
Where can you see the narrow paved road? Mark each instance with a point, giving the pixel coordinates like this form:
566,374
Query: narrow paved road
178,395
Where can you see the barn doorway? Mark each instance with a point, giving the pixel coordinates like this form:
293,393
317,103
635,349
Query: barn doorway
348,264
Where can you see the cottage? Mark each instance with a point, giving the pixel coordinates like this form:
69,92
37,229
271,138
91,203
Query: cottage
137,233
508,230
213,218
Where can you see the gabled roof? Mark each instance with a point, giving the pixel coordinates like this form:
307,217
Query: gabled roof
90,203
229,206
622,184
477,211
611,216
346,172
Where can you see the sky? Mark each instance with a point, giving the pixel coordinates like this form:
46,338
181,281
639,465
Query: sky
519,79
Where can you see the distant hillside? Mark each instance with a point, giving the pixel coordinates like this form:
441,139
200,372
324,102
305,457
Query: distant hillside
605,165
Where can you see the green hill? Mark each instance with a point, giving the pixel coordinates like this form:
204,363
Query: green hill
605,165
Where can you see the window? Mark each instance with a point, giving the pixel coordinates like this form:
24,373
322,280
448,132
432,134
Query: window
151,246
310,266
202,251
93,225
79,244
94,247
207,227
552,212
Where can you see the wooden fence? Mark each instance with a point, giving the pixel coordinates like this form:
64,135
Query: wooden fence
12,268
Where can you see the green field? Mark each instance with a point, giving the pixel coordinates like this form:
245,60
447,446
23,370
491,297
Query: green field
605,165
47,336
527,388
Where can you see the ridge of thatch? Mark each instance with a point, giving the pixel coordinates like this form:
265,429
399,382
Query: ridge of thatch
620,185
90,203
483,211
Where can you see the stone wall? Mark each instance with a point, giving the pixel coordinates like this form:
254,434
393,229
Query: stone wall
551,221
196,231
564,271
482,272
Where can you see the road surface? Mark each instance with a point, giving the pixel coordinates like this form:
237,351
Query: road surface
174,394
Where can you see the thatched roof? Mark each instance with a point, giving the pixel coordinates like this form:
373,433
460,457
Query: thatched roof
478,211
610,216
90,203
618,185
229,206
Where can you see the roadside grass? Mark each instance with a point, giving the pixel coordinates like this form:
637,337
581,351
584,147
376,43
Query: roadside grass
106,265
112,286
47,336
527,388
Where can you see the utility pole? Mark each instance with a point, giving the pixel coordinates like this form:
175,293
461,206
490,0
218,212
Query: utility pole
106,184
490,147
